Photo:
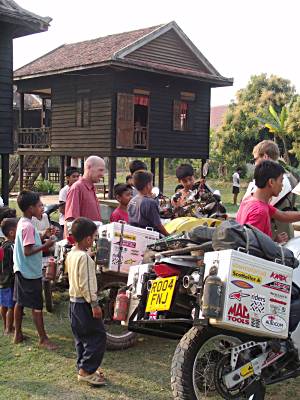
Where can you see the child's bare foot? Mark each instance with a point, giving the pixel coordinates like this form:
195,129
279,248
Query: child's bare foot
19,338
48,345
9,332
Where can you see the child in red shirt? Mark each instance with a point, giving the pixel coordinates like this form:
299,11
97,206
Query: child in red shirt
256,210
123,194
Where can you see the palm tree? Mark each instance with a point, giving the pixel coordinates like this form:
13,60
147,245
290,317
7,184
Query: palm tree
276,124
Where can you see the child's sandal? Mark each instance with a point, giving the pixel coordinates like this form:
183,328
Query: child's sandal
93,379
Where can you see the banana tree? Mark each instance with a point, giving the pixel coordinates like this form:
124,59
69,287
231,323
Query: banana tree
276,123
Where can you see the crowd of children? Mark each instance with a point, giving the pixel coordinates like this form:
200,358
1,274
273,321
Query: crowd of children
23,244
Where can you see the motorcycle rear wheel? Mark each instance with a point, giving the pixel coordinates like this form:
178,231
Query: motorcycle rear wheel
194,362
118,336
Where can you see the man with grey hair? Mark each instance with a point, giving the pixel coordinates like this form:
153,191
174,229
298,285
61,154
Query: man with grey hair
81,199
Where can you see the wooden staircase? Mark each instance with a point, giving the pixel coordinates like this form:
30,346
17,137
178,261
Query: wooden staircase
33,166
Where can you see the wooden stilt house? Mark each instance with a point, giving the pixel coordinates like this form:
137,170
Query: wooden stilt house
144,93
14,22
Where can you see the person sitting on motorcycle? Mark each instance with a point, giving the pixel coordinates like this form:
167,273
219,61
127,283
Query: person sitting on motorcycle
185,175
256,209
143,210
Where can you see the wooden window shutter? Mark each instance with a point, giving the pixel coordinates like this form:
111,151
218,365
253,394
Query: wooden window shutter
86,111
125,121
79,111
176,115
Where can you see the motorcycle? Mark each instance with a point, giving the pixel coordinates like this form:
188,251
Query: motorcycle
167,300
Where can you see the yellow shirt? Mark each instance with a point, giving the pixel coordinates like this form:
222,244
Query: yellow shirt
82,275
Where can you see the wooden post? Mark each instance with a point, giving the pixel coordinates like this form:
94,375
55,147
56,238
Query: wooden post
43,113
5,178
21,172
46,170
161,174
112,169
153,169
62,172
68,161
82,165
21,112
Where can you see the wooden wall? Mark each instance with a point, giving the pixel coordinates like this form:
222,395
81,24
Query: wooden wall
168,49
100,137
164,141
6,91
66,137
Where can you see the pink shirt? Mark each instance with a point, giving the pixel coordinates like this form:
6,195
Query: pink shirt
256,213
119,215
82,201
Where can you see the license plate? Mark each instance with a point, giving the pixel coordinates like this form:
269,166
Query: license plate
161,293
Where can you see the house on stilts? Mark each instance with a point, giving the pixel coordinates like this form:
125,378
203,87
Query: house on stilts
144,93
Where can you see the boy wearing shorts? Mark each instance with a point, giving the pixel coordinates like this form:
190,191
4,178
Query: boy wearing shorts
8,226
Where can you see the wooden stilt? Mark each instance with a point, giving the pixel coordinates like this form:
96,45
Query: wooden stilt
62,172
82,165
5,178
112,169
68,162
21,172
161,174
153,169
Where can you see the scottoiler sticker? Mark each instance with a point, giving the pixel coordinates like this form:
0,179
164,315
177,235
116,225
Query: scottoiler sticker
248,277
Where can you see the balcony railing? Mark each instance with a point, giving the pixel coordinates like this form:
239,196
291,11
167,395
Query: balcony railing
34,138
140,137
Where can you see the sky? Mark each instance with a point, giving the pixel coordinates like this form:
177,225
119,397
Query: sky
239,38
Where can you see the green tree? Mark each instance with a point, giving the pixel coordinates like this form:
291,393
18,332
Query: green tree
241,129
293,127
276,123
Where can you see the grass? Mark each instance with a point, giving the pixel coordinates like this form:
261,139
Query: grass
139,373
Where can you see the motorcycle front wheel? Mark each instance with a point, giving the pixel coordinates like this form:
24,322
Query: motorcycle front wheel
118,336
195,361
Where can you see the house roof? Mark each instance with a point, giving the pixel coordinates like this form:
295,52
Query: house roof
24,21
217,115
113,50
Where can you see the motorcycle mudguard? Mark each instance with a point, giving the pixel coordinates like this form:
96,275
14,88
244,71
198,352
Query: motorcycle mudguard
186,224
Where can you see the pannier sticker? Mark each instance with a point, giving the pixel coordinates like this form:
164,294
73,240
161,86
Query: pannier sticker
279,277
255,322
281,287
273,323
238,313
277,309
242,284
238,295
246,276
278,295
125,236
249,269
258,303
281,302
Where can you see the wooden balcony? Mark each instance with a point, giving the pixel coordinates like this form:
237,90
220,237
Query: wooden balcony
140,137
34,138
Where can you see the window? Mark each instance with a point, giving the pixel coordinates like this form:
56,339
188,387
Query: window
83,108
181,115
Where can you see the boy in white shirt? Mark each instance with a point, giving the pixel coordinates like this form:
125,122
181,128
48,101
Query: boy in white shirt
72,175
